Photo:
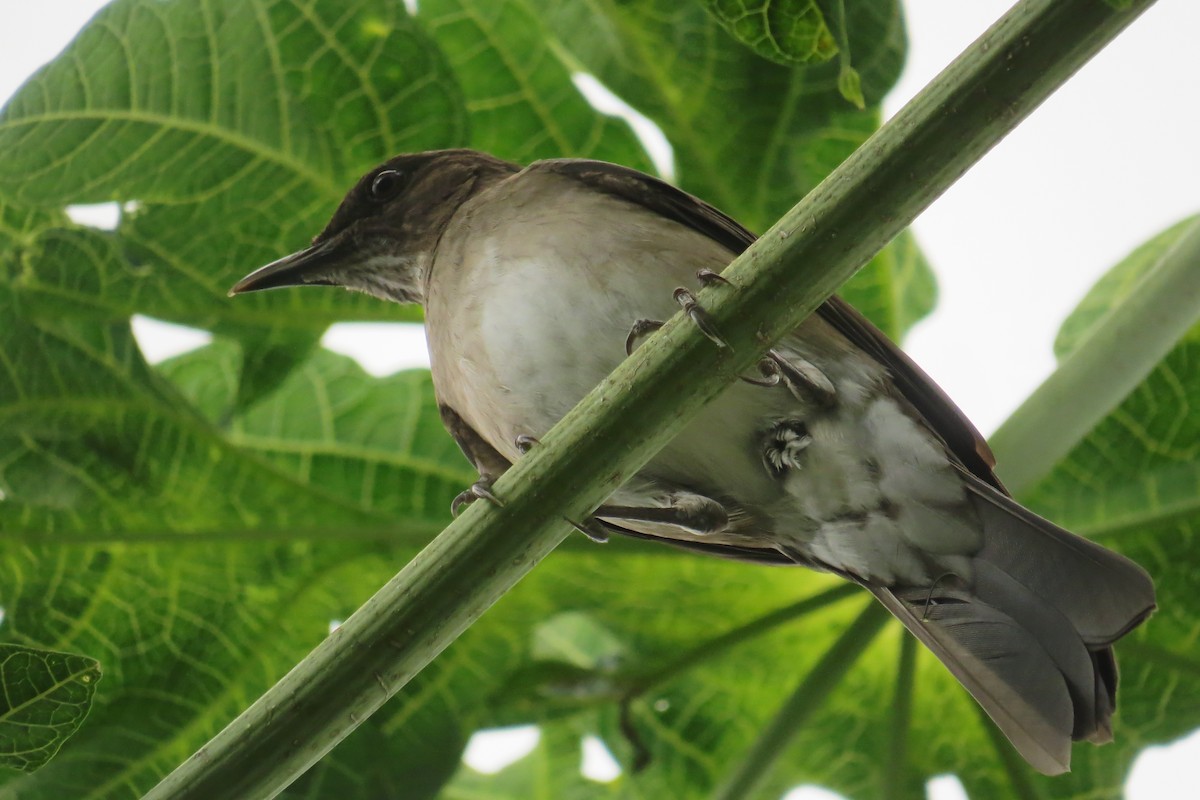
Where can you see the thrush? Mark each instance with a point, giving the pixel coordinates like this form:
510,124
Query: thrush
845,457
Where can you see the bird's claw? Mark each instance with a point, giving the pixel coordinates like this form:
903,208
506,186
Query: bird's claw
525,443
769,371
803,379
707,277
479,490
640,329
699,316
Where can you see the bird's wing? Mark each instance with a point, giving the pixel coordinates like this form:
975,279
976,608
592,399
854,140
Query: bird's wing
940,413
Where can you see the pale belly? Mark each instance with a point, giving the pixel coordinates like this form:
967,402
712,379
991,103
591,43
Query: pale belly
535,353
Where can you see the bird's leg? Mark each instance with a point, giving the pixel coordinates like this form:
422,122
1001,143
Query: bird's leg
524,443
487,461
802,378
640,329
591,529
699,316
695,513
805,380
479,490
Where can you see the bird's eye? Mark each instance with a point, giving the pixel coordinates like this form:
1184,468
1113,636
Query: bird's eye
386,184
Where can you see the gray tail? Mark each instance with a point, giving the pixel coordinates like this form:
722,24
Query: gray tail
1030,633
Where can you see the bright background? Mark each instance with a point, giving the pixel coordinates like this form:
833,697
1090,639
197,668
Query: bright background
1106,163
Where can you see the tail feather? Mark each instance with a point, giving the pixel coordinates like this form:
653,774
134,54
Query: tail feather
1105,595
1029,632
1013,679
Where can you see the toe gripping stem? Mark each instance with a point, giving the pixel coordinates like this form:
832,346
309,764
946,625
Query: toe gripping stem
803,379
479,490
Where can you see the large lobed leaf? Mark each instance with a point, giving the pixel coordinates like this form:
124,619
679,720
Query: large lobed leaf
44,697
787,31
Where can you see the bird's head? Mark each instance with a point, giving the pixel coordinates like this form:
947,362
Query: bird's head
382,237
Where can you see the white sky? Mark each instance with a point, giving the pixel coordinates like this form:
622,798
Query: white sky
1107,162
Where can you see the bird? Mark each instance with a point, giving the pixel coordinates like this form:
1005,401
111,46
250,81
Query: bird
844,456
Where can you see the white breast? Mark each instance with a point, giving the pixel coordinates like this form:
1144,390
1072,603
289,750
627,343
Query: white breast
556,302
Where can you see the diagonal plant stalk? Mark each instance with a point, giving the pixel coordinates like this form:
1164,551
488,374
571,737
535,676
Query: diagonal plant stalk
783,278
754,768
894,786
639,684
718,645
1020,784
1115,357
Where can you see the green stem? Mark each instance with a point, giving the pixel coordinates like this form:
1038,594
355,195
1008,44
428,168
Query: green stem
812,691
1015,768
619,426
720,644
834,12
894,784
1117,355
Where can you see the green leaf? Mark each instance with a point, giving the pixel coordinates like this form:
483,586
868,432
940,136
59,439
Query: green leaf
269,355
850,86
517,85
44,698
541,775
194,567
578,639
411,761
786,31
235,128
1132,485
896,289
180,102
1115,286
750,136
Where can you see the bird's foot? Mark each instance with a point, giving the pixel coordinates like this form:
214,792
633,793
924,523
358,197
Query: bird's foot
640,329
699,316
707,277
479,490
525,443
803,379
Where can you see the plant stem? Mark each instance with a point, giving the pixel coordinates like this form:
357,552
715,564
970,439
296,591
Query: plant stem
755,765
618,427
894,786
1117,355
720,644
1021,785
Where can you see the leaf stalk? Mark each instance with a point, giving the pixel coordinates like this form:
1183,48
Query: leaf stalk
1116,356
